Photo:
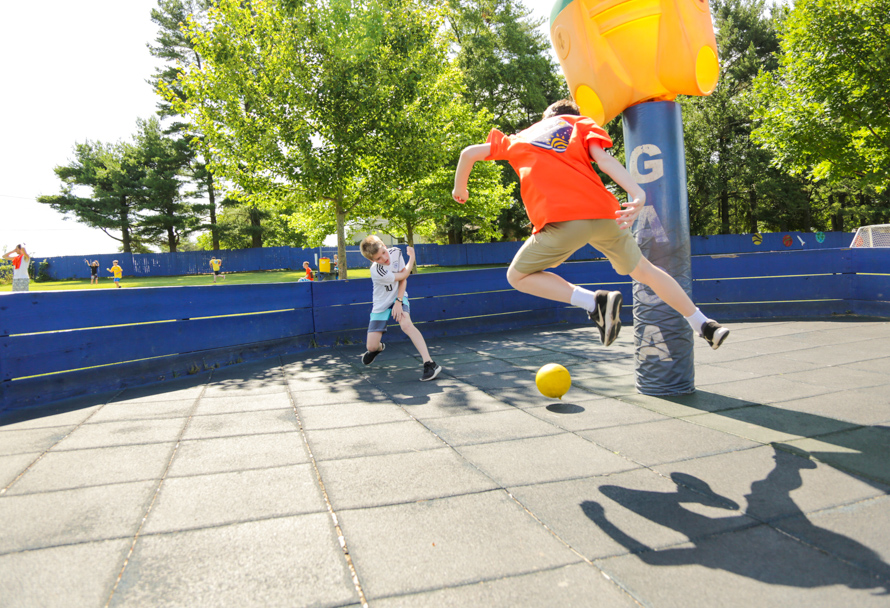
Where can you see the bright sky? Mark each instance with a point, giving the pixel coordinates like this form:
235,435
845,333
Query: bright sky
73,71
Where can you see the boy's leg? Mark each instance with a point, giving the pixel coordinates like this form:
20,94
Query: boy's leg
374,346
551,247
667,288
430,368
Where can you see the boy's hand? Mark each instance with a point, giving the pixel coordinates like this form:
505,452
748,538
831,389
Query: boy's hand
625,217
410,251
397,311
460,194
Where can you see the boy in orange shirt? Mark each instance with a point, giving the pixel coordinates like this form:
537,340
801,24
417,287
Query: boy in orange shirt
569,207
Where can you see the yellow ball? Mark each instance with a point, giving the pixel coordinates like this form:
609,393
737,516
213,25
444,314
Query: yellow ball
553,380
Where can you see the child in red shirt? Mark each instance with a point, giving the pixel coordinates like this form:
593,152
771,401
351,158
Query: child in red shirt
308,276
570,207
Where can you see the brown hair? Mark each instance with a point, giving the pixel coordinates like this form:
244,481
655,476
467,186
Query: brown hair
371,245
561,107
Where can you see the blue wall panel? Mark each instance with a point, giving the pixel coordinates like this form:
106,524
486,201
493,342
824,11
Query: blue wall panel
60,351
55,310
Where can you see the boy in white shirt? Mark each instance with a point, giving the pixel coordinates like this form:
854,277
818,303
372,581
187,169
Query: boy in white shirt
389,276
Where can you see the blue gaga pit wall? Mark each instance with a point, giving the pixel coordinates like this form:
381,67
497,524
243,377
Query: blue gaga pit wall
470,254
62,344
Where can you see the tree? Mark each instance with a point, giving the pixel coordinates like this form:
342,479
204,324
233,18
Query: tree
825,112
113,174
508,70
728,181
179,53
319,104
165,216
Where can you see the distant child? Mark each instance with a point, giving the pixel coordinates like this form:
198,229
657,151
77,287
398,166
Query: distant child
336,266
118,273
20,259
570,207
308,270
389,276
216,264
94,271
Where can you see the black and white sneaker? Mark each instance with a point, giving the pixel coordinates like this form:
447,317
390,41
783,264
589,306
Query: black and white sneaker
714,333
430,371
369,356
605,317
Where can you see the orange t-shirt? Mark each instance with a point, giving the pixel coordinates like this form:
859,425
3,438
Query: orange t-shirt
556,179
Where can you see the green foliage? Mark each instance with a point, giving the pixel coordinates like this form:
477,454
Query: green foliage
42,272
334,107
824,113
508,70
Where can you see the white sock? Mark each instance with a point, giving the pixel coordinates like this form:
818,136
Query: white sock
696,320
584,298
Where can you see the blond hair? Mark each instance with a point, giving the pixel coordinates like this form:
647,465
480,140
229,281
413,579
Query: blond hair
371,245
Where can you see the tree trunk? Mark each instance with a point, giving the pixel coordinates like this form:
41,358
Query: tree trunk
341,239
171,239
724,190
125,227
214,230
409,236
752,204
841,199
256,232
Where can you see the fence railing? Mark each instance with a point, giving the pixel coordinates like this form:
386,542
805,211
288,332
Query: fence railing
59,344
472,254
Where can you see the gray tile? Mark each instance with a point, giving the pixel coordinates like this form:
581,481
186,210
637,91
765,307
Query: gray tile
187,389
842,378
199,456
244,423
451,541
769,389
759,564
574,585
629,511
232,404
863,406
488,427
351,414
597,413
365,394
12,466
370,440
543,459
652,443
701,401
95,467
770,484
858,533
397,478
86,514
864,451
451,401
768,424
203,501
63,414
125,432
274,562
143,410
71,575
26,441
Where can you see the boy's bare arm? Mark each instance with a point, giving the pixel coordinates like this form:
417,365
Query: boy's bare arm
469,157
609,165
406,271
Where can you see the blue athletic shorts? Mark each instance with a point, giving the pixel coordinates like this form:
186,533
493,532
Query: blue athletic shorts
379,319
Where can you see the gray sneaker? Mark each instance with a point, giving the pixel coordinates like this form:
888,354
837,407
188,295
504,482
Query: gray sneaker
714,333
430,371
369,356
605,317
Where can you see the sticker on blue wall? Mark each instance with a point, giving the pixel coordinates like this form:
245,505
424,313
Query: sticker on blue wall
820,237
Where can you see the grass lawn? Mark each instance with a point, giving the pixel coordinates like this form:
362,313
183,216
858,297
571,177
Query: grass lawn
237,278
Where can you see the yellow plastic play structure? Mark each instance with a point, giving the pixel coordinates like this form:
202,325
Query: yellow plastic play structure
618,53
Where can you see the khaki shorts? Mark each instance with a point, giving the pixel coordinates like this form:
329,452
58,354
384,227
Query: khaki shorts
556,242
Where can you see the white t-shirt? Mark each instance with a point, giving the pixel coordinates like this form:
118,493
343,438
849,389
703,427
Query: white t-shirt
22,271
386,288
